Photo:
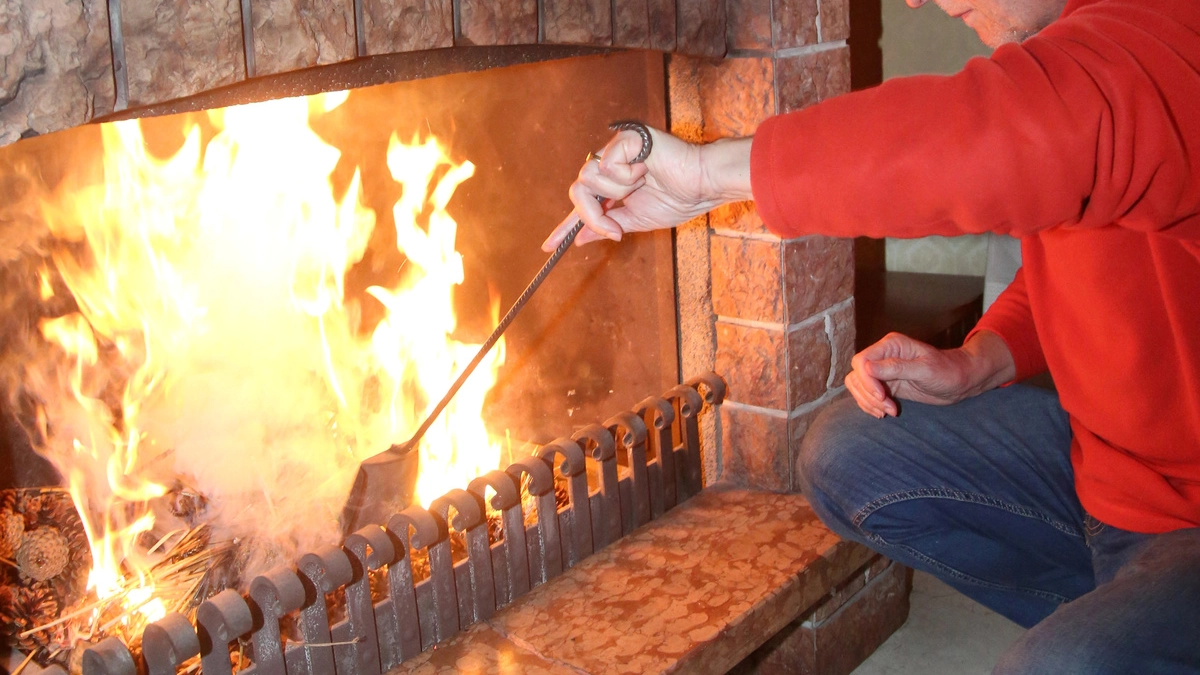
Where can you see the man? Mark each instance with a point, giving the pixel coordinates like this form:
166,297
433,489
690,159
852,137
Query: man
1078,514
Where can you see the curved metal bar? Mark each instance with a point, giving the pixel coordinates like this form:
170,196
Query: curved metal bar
686,436
658,416
606,504
510,557
712,389
475,584
410,526
713,383
326,569
576,521
507,493
274,594
221,619
543,543
630,431
167,643
110,656
468,512
370,548
541,475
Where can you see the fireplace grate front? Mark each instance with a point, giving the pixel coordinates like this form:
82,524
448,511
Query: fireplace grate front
618,476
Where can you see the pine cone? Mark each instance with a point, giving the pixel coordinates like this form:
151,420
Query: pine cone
29,504
12,530
33,607
43,554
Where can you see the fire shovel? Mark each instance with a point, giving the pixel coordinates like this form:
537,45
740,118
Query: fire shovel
386,482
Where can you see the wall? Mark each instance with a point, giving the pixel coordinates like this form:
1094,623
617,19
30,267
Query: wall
926,40
783,333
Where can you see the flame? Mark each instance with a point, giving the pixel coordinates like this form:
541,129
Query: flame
215,346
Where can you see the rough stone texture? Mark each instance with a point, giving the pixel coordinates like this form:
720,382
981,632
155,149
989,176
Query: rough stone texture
811,78
835,20
644,24
747,279
294,34
739,216
851,625
584,22
663,24
818,274
757,448
809,355
842,338
55,66
676,596
739,94
693,266
631,24
497,22
701,28
176,48
749,25
753,361
795,23
391,26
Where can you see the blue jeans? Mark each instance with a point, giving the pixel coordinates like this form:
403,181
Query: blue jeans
981,495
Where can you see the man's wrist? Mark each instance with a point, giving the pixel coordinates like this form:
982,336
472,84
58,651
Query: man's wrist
990,362
726,170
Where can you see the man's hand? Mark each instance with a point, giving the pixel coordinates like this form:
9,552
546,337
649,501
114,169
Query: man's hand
677,182
900,367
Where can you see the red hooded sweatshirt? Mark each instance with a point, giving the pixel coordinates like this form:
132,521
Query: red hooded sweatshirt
1084,141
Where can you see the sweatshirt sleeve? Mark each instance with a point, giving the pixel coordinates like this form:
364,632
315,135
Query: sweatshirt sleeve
1010,318
1091,122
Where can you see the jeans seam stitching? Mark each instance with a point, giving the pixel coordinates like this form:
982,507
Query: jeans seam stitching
962,576
959,495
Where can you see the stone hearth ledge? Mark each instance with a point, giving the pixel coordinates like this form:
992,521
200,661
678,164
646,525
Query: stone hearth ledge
695,591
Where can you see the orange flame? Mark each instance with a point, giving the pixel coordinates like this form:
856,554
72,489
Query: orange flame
214,344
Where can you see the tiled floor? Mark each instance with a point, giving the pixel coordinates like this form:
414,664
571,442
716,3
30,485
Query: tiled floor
946,634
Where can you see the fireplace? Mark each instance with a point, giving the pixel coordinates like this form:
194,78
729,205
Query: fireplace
721,294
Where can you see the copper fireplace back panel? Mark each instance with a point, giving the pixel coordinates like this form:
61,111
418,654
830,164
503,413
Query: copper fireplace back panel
601,332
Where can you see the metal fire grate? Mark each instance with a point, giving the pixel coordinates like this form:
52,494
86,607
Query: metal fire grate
657,447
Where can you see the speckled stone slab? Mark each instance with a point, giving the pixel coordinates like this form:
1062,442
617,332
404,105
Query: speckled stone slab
695,591
481,651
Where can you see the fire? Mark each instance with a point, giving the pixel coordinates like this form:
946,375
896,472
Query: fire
215,346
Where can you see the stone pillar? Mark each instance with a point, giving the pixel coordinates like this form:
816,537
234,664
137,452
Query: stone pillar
784,327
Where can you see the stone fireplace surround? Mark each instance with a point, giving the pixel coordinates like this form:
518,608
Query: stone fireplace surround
776,320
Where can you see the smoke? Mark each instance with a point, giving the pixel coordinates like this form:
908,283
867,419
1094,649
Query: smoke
165,333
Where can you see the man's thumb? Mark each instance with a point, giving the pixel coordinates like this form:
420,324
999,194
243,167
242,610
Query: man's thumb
887,369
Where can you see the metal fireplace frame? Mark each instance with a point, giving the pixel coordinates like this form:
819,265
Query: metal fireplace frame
658,444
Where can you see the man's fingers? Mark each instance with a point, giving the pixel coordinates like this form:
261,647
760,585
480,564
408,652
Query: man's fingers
894,369
863,389
591,212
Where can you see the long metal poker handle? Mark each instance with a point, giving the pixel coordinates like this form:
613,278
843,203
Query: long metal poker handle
500,328
647,144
